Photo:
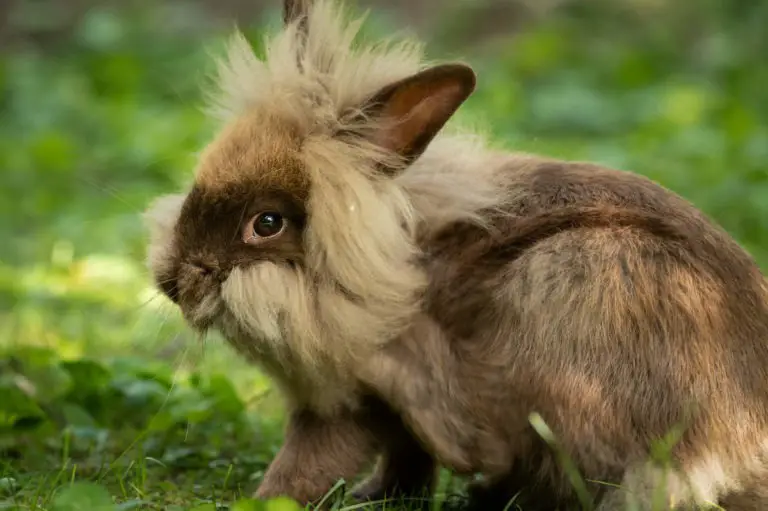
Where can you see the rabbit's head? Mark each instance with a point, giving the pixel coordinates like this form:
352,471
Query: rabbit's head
295,232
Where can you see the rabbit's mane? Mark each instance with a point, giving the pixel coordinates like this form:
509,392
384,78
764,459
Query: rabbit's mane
312,74
323,89
363,282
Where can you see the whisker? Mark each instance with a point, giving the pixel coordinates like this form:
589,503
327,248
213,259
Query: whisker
146,431
147,302
202,341
178,363
110,191
165,281
166,316
239,224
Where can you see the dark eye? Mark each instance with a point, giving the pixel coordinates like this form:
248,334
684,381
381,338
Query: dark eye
265,225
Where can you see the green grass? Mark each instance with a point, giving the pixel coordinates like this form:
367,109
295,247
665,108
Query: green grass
106,395
151,435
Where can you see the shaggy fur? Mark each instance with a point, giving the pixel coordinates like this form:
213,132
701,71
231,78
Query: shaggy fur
425,294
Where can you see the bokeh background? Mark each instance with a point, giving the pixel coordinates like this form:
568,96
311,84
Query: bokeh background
100,112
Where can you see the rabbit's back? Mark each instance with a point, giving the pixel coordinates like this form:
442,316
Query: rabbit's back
617,311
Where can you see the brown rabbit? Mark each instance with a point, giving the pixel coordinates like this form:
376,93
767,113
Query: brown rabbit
417,296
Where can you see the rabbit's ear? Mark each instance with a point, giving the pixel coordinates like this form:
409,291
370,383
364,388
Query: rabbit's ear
415,109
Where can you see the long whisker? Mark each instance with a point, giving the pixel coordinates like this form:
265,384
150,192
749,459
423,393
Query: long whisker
147,302
240,223
151,299
112,192
159,329
201,340
165,314
143,434
165,281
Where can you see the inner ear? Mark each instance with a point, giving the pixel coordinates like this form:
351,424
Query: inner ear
412,111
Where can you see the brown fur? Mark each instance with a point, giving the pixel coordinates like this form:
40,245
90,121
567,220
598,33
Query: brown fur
428,294
305,469
616,326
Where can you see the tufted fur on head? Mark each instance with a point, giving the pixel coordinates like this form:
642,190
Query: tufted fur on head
351,131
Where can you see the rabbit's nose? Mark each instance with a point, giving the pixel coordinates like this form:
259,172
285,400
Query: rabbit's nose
206,267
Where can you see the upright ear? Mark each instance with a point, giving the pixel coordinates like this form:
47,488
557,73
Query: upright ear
415,109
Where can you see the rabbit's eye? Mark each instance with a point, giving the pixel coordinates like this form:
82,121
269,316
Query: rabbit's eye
266,225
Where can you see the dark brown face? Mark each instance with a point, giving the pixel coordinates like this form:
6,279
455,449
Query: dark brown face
238,226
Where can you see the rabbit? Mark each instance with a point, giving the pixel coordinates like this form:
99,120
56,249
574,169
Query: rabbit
417,295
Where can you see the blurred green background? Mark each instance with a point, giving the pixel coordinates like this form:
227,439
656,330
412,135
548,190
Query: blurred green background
100,112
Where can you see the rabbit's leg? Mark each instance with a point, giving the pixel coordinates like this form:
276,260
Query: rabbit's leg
524,487
753,498
497,494
405,470
413,375
317,452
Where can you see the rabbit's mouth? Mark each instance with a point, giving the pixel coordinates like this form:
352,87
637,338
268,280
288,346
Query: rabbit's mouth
203,314
199,295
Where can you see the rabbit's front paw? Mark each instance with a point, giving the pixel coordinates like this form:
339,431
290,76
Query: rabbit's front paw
303,492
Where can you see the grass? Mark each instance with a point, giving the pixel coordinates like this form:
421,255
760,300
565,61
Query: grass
107,398
144,433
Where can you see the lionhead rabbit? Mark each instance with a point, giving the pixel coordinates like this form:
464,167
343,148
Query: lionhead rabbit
417,296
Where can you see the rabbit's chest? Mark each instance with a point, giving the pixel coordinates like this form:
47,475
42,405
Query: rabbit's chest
313,382
321,387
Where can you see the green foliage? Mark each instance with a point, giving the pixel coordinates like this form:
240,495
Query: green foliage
83,496
127,424
688,112
105,397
